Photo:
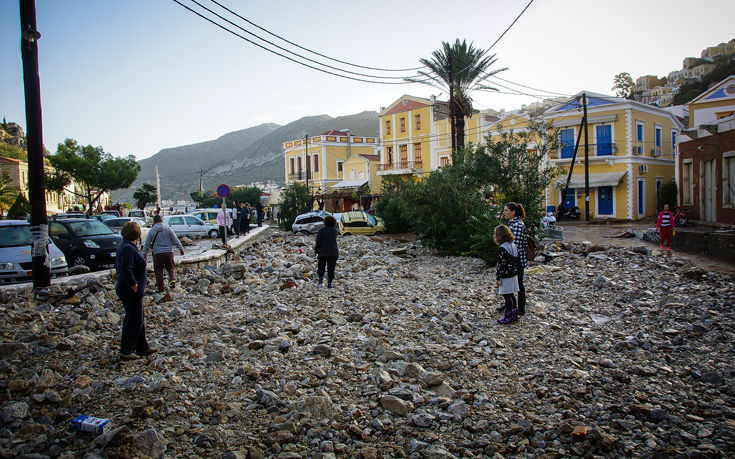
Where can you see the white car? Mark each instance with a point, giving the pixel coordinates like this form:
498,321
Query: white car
189,225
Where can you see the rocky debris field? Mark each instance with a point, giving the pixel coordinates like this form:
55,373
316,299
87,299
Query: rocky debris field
620,354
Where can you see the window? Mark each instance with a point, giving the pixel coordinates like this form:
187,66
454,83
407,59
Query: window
639,131
404,152
417,152
361,175
176,221
686,183
728,179
389,153
339,169
673,142
567,143
299,164
658,136
352,174
417,122
316,162
444,160
387,127
194,221
403,124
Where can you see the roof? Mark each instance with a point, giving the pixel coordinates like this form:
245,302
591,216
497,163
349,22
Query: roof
405,103
333,132
723,90
370,157
596,180
348,184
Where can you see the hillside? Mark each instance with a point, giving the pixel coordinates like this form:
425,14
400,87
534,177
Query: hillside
238,158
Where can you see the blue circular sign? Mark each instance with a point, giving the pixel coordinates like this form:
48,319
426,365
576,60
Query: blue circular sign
223,191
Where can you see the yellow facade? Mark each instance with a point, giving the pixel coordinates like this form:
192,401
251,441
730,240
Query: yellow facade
321,165
715,103
364,167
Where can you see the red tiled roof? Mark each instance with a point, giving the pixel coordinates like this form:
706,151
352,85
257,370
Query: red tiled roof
371,157
333,132
410,105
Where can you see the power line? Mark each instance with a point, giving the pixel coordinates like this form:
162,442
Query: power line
511,25
309,50
530,87
283,56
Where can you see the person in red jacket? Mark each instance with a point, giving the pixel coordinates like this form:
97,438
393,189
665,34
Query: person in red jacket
665,227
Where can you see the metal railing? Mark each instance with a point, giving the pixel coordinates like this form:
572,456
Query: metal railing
596,149
400,165
296,176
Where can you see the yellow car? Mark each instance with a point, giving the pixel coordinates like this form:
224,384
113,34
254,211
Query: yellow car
207,215
360,222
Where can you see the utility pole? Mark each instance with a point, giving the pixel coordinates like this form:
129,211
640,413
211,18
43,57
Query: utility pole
451,104
36,185
201,180
586,163
306,157
158,189
571,166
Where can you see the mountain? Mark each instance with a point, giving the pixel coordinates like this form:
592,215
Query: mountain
238,158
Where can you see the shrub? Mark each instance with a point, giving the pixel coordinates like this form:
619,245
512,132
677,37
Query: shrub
296,200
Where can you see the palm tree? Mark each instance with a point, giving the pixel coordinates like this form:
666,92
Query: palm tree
458,69
7,193
145,195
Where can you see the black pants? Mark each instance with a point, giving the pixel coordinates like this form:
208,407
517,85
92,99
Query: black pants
245,226
521,294
222,233
236,226
331,263
133,330
510,302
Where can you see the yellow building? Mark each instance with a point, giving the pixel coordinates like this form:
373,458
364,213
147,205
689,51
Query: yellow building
319,161
715,103
631,153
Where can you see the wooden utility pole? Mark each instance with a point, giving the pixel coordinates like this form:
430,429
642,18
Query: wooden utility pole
571,166
586,163
36,183
306,157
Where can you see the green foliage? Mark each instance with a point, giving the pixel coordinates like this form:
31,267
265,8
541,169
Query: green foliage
668,193
12,151
246,194
296,199
126,205
623,85
145,195
7,193
724,67
97,171
390,207
21,208
206,198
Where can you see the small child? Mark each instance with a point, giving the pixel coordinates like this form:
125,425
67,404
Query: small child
507,273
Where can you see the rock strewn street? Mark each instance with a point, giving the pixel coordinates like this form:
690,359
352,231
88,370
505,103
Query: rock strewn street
621,353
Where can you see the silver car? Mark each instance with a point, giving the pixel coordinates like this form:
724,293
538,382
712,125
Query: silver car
15,253
310,222
189,225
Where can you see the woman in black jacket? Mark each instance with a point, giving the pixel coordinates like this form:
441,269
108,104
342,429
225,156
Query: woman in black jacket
130,288
327,250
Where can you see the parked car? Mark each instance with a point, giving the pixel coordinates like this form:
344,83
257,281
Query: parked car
207,215
310,222
360,222
85,241
103,217
142,214
69,215
116,225
189,225
15,253
114,213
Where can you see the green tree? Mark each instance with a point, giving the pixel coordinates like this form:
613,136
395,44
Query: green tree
458,69
296,199
246,194
668,193
21,208
206,198
623,85
145,195
12,151
94,169
389,207
7,193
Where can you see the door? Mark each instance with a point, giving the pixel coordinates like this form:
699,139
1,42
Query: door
177,224
641,197
708,190
567,143
571,200
62,239
605,200
195,226
604,140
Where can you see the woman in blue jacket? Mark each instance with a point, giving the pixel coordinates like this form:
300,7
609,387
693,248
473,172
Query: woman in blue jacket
130,288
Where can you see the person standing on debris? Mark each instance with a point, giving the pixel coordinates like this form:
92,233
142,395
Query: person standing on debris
278,217
260,210
224,221
514,213
665,227
161,241
327,250
235,218
130,288
507,273
244,218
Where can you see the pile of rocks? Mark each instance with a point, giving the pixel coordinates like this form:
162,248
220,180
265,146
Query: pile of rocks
620,354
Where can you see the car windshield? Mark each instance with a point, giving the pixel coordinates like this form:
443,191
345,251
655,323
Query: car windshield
14,236
372,220
89,228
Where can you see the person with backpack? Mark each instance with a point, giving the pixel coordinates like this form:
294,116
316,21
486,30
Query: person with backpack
507,273
161,241
514,213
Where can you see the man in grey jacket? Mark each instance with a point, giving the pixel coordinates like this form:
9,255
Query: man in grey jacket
161,240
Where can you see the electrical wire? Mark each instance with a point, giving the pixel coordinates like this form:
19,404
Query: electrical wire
511,25
309,50
530,87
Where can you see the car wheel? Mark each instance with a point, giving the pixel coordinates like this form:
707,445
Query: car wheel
213,233
346,234
78,260
377,233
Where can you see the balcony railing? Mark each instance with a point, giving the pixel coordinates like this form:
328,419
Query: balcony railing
596,149
400,165
297,176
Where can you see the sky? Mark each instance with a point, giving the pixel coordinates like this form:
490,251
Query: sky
137,76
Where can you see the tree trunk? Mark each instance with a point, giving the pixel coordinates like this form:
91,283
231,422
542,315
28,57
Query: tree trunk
460,131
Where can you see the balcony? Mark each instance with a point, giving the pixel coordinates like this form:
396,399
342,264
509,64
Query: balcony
296,176
596,150
400,167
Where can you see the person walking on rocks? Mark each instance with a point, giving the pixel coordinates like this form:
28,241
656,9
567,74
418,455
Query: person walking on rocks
327,250
514,213
224,221
260,210
235,219
507,273
130,288
665,228
161,241
244,218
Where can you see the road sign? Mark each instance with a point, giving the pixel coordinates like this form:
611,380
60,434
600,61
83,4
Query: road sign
223,191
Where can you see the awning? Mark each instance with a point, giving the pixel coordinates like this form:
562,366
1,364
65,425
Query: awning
346,185
596,180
